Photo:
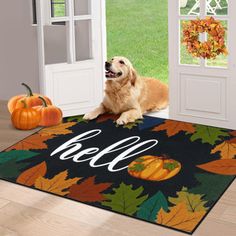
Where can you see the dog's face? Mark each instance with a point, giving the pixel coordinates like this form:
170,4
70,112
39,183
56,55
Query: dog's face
119,68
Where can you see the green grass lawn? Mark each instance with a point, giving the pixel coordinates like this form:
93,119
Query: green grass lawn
59,8
138,30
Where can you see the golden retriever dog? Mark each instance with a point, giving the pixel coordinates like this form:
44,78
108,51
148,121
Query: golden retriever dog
129,94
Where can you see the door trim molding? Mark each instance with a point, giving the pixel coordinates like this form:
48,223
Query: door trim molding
227,117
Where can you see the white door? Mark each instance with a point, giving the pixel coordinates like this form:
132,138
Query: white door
202,91
72,53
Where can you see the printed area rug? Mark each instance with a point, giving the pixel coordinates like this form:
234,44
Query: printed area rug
161,171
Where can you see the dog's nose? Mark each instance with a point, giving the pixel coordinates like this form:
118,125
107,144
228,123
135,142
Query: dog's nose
107,65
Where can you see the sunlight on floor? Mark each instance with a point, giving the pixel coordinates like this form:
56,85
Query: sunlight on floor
161,114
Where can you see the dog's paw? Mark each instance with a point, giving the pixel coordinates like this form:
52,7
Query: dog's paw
90,116
122,121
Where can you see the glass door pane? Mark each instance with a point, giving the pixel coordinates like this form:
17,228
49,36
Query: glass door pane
217,7
58,8
83,40
82,7
55,43
189,7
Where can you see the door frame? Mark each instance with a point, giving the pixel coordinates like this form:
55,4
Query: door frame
176,112
175,96
46,72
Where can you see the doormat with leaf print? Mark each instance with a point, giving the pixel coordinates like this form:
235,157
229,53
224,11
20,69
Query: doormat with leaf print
161,171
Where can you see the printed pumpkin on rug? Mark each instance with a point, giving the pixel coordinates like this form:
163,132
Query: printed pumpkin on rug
161,171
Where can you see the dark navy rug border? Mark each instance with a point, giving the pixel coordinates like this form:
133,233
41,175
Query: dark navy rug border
103,208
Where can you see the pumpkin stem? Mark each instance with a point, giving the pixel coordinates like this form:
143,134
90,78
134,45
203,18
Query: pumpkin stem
165,157
29,91
44,101
24,103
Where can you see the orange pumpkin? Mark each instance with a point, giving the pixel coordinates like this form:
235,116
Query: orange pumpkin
154,168
25,118
31,100
50,115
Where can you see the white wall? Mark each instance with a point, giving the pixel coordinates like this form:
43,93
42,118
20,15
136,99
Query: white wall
18,48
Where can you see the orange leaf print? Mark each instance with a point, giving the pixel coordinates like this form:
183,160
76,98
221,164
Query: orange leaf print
58,129
58,184
221,167
33,142
29,176
106,117
174,127
88,191
233,133
227,149
180,218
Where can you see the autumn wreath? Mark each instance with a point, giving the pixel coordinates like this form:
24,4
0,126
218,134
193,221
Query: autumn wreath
210,49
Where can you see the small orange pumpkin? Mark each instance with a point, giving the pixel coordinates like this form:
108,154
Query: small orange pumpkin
154,168
50,115
31,100
25,118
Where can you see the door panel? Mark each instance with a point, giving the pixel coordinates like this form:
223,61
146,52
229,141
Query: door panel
76,86
201,91
74,94
213,89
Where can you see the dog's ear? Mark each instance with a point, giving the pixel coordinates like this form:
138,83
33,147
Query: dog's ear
133,76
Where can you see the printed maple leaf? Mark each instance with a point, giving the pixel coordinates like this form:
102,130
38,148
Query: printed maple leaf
58,129
180,218
221,167
174,127
207,185
88,191
29,176
106,117
149,209
125,199
11,168
58,184
132,124
78,119
193,202
227,149
33,142
208,134
17,155
233,133
114,117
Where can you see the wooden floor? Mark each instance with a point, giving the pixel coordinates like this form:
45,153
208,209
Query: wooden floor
28,212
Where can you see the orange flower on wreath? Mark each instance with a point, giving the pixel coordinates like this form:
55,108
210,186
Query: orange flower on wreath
215,44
